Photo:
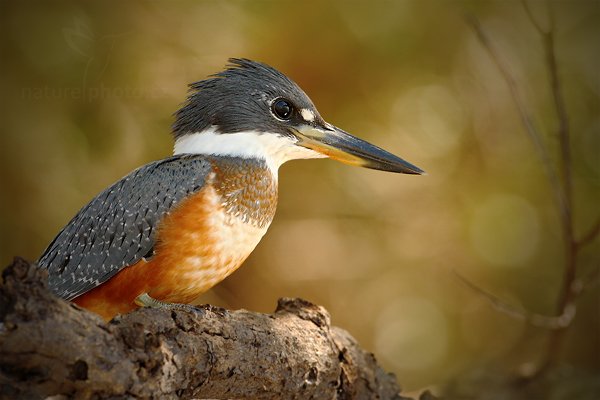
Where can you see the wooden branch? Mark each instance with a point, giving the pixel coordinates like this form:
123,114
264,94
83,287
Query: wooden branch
51,347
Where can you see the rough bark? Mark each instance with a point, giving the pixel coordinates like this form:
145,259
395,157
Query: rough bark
52,347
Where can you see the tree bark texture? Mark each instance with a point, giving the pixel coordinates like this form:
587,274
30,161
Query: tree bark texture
50,347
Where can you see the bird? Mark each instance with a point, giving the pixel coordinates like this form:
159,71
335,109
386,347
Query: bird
172,229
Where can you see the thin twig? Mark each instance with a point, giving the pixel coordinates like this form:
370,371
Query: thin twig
567,295
532,19
590,235
563,125
524,113
563,190
534,319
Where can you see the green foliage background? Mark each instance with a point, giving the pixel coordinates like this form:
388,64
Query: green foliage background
88,92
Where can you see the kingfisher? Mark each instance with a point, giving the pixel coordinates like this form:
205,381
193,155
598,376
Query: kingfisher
172,229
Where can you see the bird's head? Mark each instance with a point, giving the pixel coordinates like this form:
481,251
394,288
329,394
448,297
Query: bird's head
252,110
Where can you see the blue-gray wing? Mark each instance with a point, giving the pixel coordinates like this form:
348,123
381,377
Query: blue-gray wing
117,228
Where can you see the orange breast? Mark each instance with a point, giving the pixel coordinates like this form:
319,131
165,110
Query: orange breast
198,244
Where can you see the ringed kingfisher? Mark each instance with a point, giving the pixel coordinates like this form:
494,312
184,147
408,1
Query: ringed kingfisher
172,229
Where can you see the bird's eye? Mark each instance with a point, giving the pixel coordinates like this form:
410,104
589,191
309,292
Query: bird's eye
282,109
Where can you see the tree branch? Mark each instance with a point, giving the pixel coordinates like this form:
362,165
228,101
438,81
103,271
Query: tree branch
50,347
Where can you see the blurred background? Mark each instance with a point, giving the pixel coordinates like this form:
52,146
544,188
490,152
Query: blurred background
88,93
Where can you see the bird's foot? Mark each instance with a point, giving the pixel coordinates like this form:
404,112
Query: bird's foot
145,300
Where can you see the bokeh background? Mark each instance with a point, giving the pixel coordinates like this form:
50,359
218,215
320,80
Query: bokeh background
88,92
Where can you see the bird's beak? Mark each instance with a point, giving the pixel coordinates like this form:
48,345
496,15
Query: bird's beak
342,146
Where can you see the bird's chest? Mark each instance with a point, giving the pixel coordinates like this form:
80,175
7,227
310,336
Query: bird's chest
229,241
212,233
